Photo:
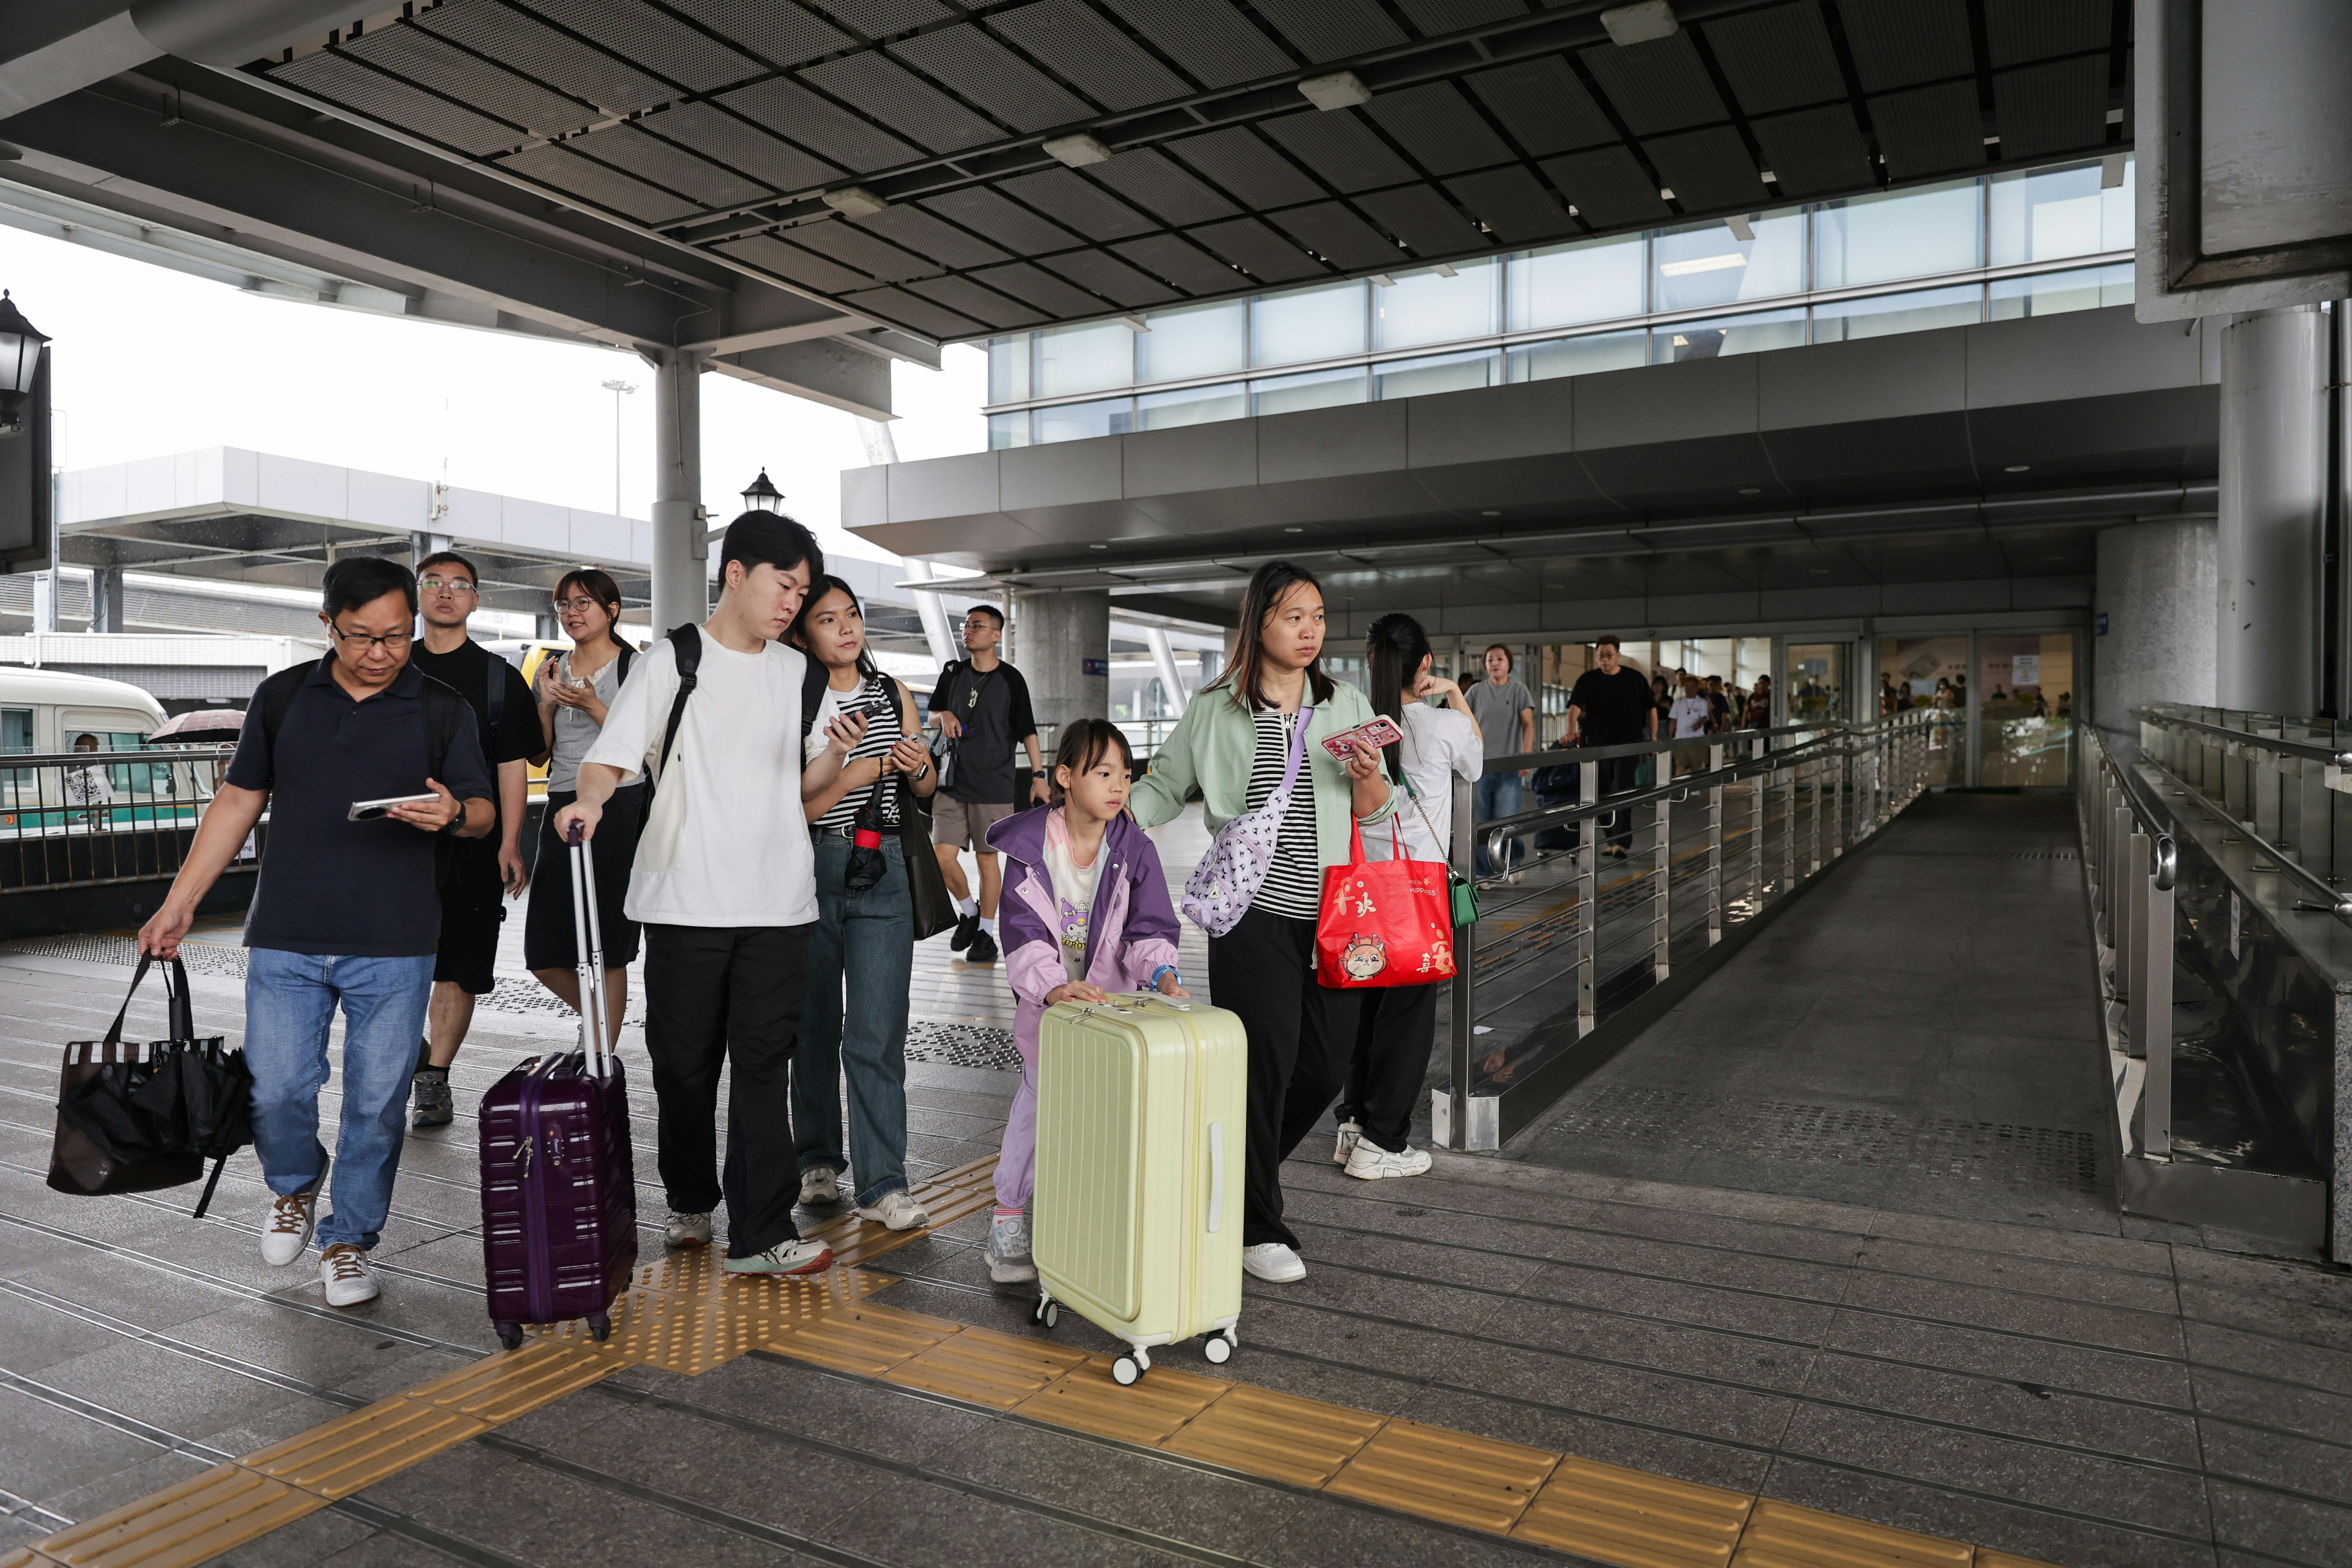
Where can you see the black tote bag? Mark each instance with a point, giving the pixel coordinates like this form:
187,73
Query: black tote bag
927,888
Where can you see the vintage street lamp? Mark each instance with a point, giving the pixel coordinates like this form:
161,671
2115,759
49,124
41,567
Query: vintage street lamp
20,362
762,496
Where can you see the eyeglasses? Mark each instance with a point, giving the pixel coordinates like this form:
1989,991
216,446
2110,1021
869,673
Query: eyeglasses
446,585
391,642
577,606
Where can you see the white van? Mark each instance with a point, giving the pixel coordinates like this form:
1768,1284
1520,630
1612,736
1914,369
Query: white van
44,711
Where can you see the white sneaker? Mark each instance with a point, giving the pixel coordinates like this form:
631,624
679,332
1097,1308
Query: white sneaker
789,1258
685,1229
343,1270
899,1210
1008,1250
291,1221
820,1185
1273,1262
1350,1135
1370,1162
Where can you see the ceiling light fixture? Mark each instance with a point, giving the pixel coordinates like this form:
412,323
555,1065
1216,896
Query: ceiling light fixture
1294,527
1098,547
1340,89
1077,150
2017,468
855,201
1751,490
1640,24
1490,514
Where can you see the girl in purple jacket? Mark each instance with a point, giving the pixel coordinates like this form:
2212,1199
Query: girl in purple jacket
1086,913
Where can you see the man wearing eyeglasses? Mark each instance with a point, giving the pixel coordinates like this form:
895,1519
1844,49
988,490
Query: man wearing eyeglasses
506,719
981,703
346,913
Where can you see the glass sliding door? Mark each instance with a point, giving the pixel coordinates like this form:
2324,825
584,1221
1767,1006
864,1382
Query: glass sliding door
2025,707
1930,672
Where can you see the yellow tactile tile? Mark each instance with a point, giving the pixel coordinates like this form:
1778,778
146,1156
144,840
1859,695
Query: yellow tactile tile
1299,1441
1782,1536
1446,1475
864,1339
985,1368
23,1557
1148,1413
183,1525
502,1387
358,1450
1634,1519
1990,1559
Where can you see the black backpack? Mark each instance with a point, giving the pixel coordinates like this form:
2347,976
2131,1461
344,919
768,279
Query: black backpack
445,712
686,648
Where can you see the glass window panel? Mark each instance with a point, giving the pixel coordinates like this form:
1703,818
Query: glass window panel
1431,307
2048,214
1439,373
16,730
1728,335
1008,368
1077,421
1704,264
1084,358
1816,680
1192,405
1206,340
1921,311
2054,293
1008,430
2026,716
1308,324
1901,234
1578,356
1315,389
1592,282
1929,672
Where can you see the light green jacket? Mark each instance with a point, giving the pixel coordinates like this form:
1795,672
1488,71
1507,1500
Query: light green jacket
1212,748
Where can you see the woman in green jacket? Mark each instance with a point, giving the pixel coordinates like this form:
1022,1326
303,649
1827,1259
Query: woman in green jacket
1231,748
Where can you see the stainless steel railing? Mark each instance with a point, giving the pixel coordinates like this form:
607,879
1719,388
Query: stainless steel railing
2133,864
80,819
2282,782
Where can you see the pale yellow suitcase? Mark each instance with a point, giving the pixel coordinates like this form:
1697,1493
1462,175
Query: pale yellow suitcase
1142,1110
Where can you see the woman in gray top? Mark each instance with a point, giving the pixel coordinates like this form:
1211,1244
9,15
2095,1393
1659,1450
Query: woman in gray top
574,689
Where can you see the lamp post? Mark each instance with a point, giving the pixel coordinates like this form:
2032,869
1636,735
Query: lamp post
619,389
761,495
20,361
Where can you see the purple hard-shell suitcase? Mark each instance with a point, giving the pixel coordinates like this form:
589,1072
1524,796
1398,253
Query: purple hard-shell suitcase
559,1187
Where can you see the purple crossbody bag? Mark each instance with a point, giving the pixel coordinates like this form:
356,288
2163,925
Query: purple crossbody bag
1229,876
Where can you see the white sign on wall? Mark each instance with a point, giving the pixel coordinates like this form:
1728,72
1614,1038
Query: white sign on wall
2024,670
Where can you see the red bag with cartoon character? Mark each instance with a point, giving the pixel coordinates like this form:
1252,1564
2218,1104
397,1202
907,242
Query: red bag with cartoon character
1383,922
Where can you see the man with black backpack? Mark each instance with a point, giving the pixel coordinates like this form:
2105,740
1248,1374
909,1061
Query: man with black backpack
725,886
980,704
367,768
479,875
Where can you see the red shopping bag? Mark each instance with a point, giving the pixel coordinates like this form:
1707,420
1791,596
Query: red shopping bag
1383,922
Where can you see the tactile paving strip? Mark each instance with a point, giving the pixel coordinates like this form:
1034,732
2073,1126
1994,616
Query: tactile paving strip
1447,1475
352,1454
1782,1536
866,1338
1148,1413
1296,1440
183,1525
1643,1520
984,1367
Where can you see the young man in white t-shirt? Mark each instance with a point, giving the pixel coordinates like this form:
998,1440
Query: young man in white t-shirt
725,886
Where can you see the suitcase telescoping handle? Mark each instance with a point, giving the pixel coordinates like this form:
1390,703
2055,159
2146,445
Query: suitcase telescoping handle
588,944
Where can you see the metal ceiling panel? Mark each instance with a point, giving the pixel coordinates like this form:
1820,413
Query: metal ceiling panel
1436,17
1779,58
533,48
1339,147
880,18
962,294
1247,243
557,165
778,31
2052,109
1814,150
1543,104
1513,204
632,152
1339,235
1087,207
1152,181
1166,256
901,101
1437,126
1607,186
653,39
1074,39
994,78
1237,160
1929,130
870,254
1423,218
371,94
1898,42
1332,29
793,264
1040,288
1112,279
1657,86
912,311
1211,40
823,127
1008,223
717,134
2019,30
1707,169
918,230
434,63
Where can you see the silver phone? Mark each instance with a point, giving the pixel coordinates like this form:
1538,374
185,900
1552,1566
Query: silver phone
369,810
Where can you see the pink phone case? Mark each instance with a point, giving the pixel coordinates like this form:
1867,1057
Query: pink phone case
1380,731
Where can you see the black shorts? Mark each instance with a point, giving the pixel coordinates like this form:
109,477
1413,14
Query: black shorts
473,905
548,940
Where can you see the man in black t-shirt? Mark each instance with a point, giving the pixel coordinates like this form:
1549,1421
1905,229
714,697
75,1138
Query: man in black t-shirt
982,705
506,720
1613,706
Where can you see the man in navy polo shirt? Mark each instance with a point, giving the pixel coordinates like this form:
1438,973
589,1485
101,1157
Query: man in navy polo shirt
346,913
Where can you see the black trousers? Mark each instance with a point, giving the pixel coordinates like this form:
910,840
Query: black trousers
728,995
1300,1038
1393,1034
1618,773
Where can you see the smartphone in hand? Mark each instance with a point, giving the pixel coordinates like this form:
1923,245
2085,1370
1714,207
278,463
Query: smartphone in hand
370,810
1377,731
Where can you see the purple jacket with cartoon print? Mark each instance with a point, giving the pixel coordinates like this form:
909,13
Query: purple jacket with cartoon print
1130,933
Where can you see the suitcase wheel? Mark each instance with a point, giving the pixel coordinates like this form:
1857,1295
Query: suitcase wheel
1047,1313
600,1326
1220,1347
511,1336
1125,1370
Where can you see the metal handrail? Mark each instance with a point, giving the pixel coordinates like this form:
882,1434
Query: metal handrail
1560,755
2285,748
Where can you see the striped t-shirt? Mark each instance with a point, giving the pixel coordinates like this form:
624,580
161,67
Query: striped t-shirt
1294,882
881,734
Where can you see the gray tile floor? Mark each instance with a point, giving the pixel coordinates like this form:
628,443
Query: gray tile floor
2041,1382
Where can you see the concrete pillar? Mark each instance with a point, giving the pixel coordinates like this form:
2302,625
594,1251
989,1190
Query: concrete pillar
1064,632
545,627
1163,660
930,607
681,556
2153,633
2270,555
105,600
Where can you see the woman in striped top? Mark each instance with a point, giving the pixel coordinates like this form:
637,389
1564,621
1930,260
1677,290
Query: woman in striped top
1232,745
862,939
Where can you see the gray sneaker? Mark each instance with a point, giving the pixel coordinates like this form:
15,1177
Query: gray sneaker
787,1258
434,1105
1008,1250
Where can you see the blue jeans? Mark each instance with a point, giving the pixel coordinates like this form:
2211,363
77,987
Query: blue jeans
1497,796
289,1005
867,940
